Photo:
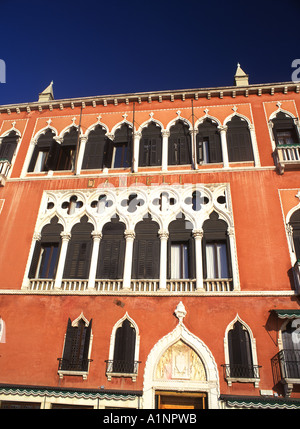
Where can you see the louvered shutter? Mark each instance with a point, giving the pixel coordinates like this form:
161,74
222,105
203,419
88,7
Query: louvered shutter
67,354
144,152
8,147
86,349
124,348
35,260
52,159
78,260
215,152
239,144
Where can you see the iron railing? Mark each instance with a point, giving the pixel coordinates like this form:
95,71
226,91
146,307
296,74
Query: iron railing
121,367
286,365
241,371
69,365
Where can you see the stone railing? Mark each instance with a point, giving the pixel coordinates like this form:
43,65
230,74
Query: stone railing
174,285
4,170
287,156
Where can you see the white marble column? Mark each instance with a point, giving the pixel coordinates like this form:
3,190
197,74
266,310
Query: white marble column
163,235
136,151
254,146
129,237
235,277
165,142
198,235
223,130
80,154
65,237
94,259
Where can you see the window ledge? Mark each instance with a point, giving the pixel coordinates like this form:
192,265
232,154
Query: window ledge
109,375
63,373
231,380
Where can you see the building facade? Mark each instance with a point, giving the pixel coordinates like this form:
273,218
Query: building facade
150,248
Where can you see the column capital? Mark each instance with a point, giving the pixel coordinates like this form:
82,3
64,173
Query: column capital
222,128
197,233
96,235
165,133
65,236
163,234
129,234
37,236
230,231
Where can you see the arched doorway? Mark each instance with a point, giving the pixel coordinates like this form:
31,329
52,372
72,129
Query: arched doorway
180,371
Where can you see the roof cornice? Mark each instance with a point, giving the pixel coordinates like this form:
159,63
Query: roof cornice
171,95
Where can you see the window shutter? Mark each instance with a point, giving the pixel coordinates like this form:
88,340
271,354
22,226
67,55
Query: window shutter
67,354
35,260
86,349
215,152
53,156
7,148
239,141
124,348
78,260
33,158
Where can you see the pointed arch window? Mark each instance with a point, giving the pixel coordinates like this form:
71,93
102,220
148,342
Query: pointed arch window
240,352
76,352
65,156
239,142
8,146
181,250
40,160
46,252
150,153
95,149
208,143
119,153
216,249
179,146
123,352
285,130
79,251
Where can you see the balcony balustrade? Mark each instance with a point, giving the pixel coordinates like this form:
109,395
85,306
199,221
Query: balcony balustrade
287,157
108,285
286,369
5,166
296,274
122,368
241,373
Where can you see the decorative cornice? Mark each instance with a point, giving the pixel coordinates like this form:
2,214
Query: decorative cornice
104,100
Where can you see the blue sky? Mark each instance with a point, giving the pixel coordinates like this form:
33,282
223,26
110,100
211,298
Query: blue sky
108,47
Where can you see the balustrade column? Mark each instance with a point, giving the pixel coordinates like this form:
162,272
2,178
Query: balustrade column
129,237
65,237
165,143
198,235
94,259
223,130
163,235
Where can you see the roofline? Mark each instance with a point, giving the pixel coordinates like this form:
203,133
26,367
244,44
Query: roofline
171,95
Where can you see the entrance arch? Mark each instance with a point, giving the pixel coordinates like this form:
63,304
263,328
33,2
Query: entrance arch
180,364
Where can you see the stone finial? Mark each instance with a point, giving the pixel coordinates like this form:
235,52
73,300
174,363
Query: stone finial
180,312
